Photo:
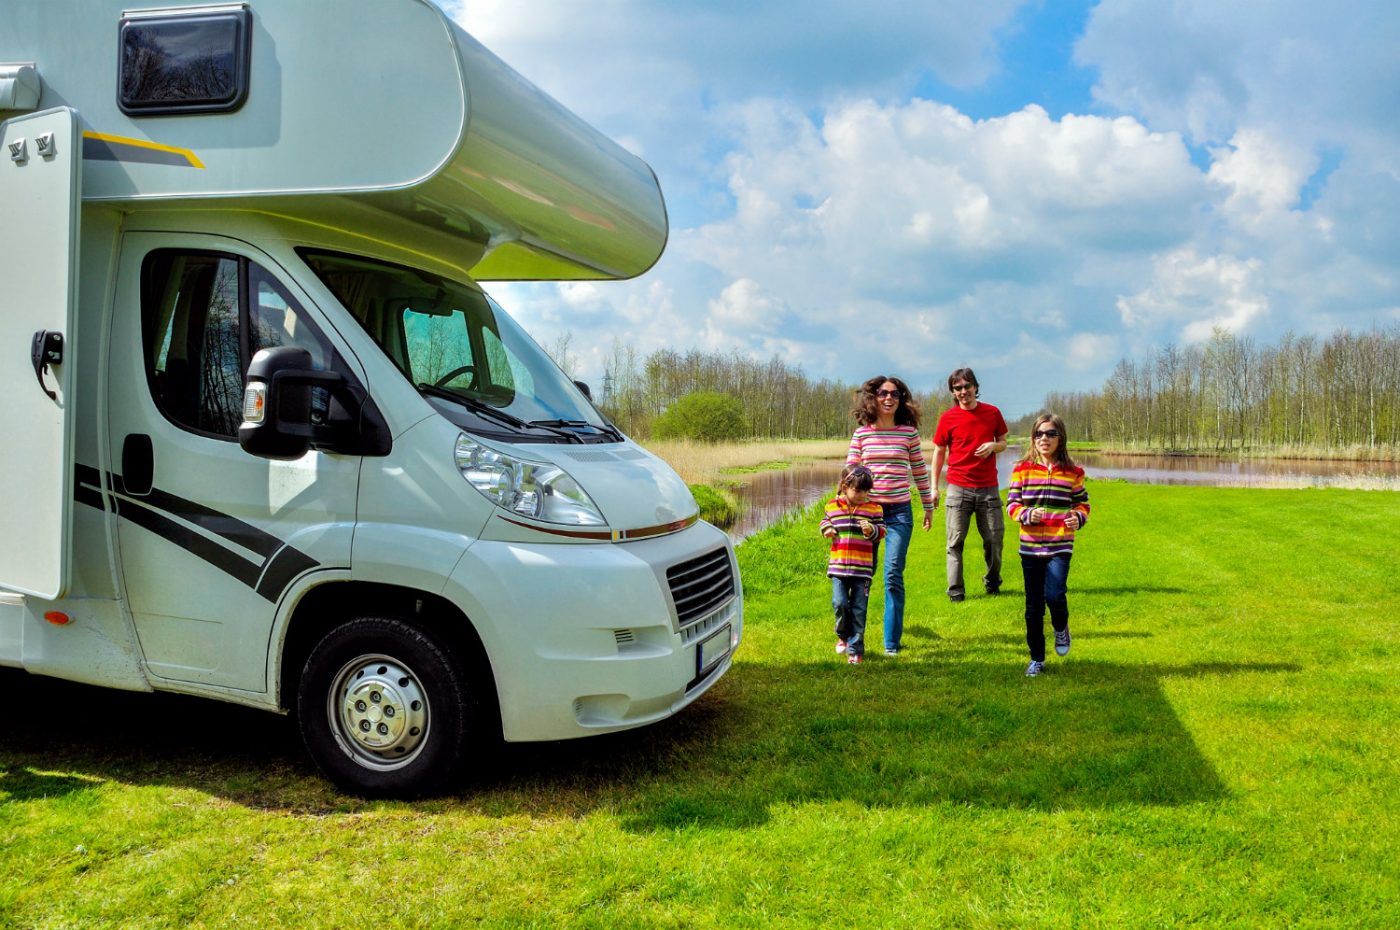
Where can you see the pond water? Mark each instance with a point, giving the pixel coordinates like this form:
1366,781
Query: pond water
767,495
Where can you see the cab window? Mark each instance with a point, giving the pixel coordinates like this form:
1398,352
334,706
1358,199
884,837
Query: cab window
204,314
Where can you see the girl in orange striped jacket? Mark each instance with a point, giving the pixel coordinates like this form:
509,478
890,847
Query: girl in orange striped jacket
1047,498
854,525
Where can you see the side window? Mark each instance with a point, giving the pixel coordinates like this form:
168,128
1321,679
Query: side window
204,316
506,370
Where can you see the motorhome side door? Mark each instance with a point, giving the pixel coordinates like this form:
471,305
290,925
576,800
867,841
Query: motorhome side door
211,537
39,215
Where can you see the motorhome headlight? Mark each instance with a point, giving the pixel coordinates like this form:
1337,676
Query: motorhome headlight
540,490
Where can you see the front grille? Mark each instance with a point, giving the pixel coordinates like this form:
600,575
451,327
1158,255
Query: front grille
700,585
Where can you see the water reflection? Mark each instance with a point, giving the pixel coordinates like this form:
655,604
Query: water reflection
768,495
1231,472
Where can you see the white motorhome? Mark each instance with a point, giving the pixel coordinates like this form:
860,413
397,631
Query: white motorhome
265,439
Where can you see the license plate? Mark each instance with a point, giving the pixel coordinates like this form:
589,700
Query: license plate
711,650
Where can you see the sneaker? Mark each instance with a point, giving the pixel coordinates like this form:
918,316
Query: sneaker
1062,642
853,658
840,647
994,589
955,598
1034,669
892,651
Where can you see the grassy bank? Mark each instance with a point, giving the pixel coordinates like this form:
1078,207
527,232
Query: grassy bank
1379,454
1219,750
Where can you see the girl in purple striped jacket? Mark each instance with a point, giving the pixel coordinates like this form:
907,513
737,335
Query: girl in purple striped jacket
1047,498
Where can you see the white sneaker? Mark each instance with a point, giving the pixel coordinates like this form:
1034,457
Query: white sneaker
840,647
1062,642
1034,669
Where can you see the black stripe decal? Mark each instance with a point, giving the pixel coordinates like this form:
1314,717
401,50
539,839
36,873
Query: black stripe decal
154,511
279,571
220,524
187,539
87,486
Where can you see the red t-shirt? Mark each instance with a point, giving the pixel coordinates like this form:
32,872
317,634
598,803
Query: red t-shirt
963,431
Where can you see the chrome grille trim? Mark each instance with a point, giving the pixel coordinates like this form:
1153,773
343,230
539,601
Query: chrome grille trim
700,586
697,631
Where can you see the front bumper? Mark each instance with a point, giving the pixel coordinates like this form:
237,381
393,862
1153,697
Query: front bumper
586,638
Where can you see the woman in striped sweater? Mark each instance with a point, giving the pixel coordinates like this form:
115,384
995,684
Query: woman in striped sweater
887,442
1047,498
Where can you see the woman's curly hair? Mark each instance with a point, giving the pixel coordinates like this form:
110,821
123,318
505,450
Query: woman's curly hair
866,411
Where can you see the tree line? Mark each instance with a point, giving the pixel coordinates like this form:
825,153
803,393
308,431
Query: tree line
1339,393
777,399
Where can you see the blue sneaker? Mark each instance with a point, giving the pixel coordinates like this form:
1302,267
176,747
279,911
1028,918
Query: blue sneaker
1062,642
1034,669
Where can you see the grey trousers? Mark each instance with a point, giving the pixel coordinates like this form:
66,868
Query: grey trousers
960,505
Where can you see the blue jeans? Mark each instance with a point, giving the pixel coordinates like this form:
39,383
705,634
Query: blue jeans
848,599
1047,584
899,527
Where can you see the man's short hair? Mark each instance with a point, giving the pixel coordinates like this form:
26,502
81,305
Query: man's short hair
964,374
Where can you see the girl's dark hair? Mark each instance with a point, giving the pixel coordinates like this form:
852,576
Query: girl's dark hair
866,412
857,478
1062,458
964,374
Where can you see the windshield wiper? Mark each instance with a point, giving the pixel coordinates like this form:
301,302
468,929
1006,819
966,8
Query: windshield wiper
476,405
607,429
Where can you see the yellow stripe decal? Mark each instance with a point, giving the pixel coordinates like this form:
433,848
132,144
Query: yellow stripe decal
186,154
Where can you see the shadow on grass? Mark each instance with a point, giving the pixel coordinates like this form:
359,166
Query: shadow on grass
961,729
26,784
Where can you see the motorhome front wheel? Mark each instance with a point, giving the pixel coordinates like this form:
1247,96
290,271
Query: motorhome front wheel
385,708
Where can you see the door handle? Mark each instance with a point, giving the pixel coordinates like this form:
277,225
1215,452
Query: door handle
44,350
138,464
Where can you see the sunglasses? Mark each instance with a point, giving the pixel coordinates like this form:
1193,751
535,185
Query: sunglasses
959,388
885,393
1047,434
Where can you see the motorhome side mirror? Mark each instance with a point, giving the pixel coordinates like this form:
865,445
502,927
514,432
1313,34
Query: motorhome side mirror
583,386
277,402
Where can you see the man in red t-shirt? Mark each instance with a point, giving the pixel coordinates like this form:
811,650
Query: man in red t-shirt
968,437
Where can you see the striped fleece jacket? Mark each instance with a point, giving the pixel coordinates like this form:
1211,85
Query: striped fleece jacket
895,457
852,555
1060,491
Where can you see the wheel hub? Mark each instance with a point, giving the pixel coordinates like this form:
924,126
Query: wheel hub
379,711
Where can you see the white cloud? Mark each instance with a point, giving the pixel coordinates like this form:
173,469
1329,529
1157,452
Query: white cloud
1197,295
822,215
1263,176
1316,72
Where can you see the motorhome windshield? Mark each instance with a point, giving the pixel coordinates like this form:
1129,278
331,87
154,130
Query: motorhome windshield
457,345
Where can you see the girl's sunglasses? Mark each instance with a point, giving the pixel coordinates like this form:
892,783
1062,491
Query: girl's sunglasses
1047,434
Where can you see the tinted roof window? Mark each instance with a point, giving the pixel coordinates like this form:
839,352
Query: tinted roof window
189,63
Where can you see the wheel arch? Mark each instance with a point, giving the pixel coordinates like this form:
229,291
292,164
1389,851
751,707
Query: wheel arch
328,605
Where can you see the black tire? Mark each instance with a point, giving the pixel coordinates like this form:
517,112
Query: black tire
386,709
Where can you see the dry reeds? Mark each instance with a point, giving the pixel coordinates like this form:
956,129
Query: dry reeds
702,463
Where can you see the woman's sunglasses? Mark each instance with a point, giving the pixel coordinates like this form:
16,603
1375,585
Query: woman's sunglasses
1047,434
886,393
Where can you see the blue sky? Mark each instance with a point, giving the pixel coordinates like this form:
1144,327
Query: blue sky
1035,189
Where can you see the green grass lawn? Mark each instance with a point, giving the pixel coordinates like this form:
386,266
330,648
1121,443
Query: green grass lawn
1220,749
